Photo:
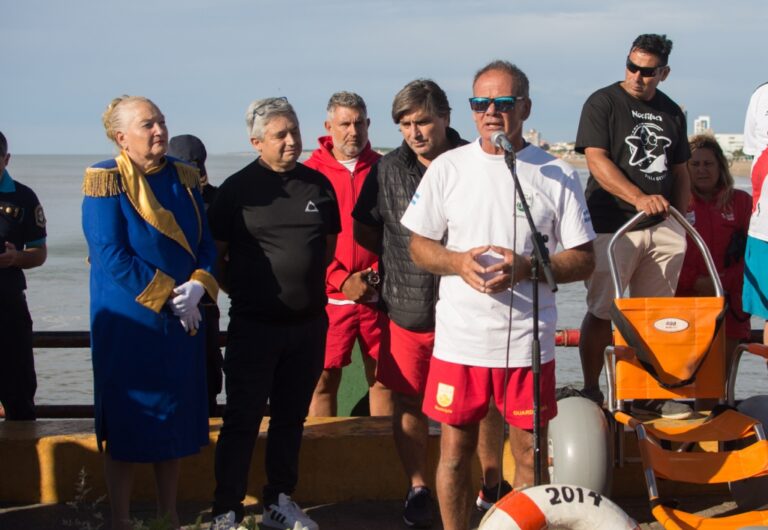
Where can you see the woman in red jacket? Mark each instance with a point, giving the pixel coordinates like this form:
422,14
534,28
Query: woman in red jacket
721,215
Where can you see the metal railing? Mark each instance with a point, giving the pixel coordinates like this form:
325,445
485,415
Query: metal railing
82,339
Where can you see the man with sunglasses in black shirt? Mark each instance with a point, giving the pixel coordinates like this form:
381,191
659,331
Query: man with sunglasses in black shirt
635,140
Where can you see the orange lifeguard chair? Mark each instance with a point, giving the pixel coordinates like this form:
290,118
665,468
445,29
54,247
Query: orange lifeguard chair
673,348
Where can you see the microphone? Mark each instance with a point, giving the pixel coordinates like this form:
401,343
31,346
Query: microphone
499,139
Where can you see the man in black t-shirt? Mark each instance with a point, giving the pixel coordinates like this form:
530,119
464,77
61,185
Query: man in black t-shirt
635,141
275,224
22,246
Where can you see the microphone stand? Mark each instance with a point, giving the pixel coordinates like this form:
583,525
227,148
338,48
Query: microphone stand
539,260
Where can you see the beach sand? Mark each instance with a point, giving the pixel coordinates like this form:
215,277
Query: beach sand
739,168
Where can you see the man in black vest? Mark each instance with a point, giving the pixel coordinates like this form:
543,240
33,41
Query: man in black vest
409,294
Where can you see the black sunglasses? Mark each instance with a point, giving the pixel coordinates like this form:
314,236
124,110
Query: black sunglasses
502,104
645,71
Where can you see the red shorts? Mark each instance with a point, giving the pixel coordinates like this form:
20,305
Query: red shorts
348,323
458,394
404,364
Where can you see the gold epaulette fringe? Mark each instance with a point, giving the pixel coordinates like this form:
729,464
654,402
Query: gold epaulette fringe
99,182
188,175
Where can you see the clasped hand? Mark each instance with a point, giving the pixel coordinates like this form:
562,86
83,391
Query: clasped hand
184,304
492,274
191,321
8,257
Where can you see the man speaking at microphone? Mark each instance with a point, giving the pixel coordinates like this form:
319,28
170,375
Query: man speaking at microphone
467,199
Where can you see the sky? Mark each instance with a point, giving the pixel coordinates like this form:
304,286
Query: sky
203,62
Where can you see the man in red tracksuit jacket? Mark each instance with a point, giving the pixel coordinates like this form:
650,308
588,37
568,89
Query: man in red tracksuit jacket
345,158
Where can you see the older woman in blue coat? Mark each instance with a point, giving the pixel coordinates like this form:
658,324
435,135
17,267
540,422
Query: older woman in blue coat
151,257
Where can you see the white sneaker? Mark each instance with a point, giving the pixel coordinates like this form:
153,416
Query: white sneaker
224,521
287,515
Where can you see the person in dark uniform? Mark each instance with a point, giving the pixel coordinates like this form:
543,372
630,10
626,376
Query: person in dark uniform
22,246
191,149
275,223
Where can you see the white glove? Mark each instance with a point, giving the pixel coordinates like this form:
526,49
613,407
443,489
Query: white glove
191,321
189,295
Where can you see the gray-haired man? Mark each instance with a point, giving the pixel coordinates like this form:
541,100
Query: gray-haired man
275,224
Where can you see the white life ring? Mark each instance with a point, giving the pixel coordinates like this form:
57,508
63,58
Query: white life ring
556,506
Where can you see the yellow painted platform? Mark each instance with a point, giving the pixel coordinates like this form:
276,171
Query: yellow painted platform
342,459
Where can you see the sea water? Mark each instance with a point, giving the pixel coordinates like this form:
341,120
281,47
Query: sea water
58,291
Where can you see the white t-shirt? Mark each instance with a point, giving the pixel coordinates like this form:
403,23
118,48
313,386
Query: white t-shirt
755,142
756,122
467,194
349,164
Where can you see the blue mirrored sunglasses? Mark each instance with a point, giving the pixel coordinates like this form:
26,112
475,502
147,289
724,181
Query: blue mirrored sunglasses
502,104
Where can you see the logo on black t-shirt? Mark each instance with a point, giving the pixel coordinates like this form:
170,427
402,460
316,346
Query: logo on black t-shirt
648,150
311,208
39,216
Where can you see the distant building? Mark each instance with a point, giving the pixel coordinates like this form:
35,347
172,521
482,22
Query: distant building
730,143
702,125
563,149
533,137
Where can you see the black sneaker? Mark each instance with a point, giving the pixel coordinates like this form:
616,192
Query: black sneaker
418,507
671,410
490,496
594,394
